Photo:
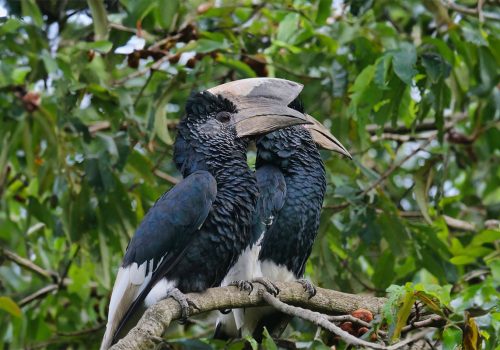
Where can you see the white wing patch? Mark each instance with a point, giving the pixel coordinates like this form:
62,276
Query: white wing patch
129,283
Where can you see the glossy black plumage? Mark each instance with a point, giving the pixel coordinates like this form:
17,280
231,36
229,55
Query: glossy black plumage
196,239
291,181
288,241
194,249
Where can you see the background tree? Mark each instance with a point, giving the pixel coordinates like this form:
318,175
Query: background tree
90,94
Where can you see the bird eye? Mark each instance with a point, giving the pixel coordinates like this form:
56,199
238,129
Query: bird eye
223,117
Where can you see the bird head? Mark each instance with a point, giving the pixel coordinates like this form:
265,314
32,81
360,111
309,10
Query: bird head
220,121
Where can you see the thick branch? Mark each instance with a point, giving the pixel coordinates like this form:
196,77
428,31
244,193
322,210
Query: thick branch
157,318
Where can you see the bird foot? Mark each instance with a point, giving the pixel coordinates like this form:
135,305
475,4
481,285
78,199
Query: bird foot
270,286
184,302
243,285
308,287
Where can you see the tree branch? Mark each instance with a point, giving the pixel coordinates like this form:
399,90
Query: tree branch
28,264
322,321
157,318
471,11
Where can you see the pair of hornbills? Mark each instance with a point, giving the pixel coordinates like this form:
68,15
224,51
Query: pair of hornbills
225,223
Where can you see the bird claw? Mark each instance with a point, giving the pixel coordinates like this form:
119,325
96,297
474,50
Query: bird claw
308,287
243,285
270,286
225,311
184,303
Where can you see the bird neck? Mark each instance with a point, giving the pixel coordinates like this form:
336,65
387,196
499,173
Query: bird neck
292,150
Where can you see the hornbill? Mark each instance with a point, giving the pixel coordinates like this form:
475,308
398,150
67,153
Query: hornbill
291,180
193,233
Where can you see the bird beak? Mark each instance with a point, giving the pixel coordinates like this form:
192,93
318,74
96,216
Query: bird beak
262,116
262,104
323,138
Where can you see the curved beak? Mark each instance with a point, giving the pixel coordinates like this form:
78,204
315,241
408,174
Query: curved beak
323,138
262,104
261,115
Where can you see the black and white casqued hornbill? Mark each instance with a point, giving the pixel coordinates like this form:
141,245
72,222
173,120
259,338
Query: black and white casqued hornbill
292,182
194,232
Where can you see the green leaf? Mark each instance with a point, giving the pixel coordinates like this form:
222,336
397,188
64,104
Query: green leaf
403,62
253,343
167,11
49,62
19,75
80,280
359,7
100,19
206,45
384,270
486,236
435,66
471,339
403,313
10,26
8,305
30,9
452,338
381,71
268,341
462,260
488,73
242,68
101,46
324,10
421,188
288,28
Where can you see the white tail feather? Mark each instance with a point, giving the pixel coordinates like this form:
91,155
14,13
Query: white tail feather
129,283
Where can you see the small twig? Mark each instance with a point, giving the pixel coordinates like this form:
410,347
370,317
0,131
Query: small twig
396,165
480,13
400,137
122,28
99,126
28,264
425,126
138,73
139,95
62,277
39,294
66,338
471,11
349,318
337,208
322,321
83,331
433,321
459,224
169,178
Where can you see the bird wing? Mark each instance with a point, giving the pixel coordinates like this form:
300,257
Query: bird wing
272,194
158,242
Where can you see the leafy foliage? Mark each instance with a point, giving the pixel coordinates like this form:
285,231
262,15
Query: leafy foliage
88,111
